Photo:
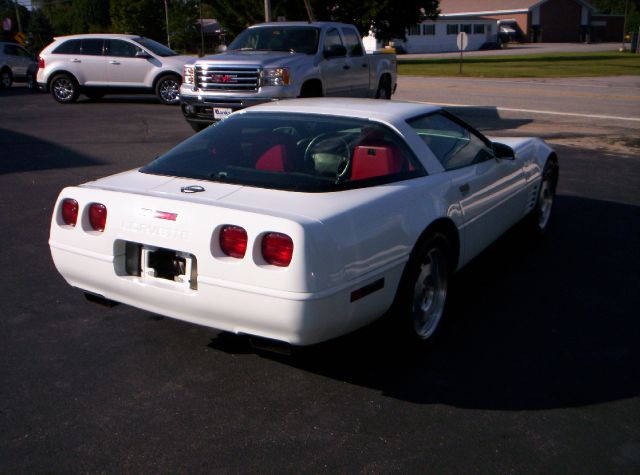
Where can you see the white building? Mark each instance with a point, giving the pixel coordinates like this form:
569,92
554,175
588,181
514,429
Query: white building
440,35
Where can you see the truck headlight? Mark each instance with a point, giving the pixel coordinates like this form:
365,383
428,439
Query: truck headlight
276,77
187,74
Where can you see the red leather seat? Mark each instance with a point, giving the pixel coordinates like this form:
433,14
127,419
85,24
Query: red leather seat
373,160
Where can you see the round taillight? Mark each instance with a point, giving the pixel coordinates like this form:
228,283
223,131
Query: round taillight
69,211
233,241
277,249
98,216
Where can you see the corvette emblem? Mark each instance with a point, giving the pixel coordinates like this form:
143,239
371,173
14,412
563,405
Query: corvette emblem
192,189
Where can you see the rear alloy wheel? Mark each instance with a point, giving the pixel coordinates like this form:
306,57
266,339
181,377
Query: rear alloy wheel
168,89
64,89
423,292
541,213
6,79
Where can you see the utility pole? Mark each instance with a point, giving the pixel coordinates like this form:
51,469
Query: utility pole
267,10
166,20
18,16
309,11
201,28
624,23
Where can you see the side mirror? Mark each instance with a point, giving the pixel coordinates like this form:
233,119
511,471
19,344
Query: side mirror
501,150
335,51
142,54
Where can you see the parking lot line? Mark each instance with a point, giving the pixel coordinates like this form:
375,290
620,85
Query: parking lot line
533,111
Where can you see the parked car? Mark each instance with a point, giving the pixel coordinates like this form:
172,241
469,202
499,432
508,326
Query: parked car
99,64
16,65
302,220
284,60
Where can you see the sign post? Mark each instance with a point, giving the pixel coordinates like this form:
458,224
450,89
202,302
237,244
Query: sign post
462,41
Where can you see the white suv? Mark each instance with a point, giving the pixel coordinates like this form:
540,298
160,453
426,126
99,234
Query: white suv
16,64
99,64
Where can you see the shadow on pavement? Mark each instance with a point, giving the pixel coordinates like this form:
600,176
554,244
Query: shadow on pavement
532,324
23,153
486,118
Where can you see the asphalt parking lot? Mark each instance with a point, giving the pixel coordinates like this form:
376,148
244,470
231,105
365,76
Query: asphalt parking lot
536,370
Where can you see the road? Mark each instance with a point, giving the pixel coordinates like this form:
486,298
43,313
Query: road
535,372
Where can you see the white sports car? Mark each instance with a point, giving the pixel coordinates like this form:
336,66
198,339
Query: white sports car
302,220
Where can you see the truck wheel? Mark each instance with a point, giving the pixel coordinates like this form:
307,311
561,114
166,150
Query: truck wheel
384,88
311,89
198,126
168,89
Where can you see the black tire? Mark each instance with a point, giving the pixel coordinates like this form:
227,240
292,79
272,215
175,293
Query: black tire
420,304
6,78
168,89
198,126
64,88
311,89
384,89
31,82
539,218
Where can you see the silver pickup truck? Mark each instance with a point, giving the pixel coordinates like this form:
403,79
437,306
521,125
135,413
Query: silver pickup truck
273,61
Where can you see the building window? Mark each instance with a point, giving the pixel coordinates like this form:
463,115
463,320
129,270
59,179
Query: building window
414,30
452,29
428,29
478,29
466,28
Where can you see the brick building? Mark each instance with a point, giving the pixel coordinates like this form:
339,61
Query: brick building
549,21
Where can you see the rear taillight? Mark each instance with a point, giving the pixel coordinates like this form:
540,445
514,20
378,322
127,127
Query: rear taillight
69,211
277,249
233,241
40,62
98,216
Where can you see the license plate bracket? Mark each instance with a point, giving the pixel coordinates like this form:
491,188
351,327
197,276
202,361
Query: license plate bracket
221,112
167,265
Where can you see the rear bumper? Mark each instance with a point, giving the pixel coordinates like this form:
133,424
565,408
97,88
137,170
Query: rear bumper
293,317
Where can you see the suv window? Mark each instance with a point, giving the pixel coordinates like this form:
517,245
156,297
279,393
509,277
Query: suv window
92,47
120,48
68,47
454,145
354,47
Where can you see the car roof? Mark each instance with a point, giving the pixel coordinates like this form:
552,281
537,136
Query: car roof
376,109
318,24
97,35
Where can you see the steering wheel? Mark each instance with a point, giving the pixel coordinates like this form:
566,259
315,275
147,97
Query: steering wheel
342,164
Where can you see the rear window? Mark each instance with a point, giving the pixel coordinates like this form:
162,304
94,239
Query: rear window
298,152
68,47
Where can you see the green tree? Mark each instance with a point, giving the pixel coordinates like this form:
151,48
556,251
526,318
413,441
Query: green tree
140,17
40,30
617,7
183,27
90,16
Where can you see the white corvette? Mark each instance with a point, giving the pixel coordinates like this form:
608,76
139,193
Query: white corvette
303,220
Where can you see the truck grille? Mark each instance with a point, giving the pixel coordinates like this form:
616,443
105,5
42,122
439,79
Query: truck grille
229,78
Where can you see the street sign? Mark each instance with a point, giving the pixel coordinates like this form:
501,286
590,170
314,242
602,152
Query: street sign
20,38
6,24
462,40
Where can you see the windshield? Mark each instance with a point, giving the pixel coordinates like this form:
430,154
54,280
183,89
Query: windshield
298,152
295,39
155,47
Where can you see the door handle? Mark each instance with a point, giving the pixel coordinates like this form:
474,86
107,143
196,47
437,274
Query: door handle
114,62
346,66
464,189
75,60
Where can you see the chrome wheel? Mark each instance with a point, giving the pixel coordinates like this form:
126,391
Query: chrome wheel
5,79
64,89
545,202
169,90
429,293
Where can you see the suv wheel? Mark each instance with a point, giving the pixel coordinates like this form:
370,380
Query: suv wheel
168,89
6,79
64,88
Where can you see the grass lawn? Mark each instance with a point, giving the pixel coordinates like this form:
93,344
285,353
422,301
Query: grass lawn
526,66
